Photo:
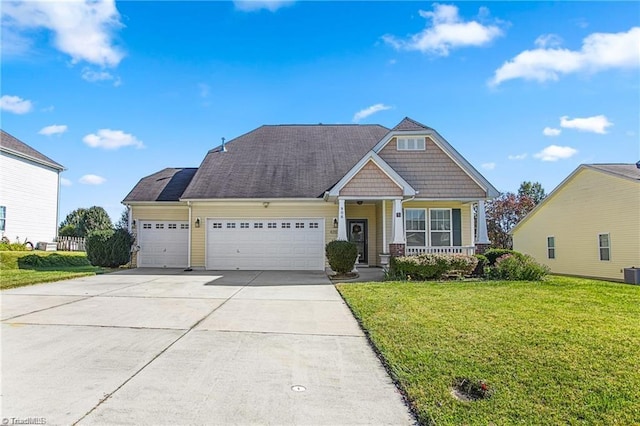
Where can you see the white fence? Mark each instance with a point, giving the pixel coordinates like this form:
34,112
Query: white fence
409,251
71,244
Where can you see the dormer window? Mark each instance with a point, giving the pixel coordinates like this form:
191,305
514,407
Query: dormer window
411,144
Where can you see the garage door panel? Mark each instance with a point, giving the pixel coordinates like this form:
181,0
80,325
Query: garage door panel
163,244
265,244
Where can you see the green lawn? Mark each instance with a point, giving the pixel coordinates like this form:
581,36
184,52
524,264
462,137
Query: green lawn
564,351
13,272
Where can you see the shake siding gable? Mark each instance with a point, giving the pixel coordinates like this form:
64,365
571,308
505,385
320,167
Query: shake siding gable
431,172
371,181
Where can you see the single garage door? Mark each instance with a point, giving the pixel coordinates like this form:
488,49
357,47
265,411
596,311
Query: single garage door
163,244
271,244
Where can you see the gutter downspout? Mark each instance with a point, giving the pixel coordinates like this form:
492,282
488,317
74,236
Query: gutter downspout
189,241
57,211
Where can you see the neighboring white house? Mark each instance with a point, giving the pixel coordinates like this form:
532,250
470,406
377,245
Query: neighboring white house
29,192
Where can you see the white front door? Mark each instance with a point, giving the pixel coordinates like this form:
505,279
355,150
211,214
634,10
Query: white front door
163,244
265,244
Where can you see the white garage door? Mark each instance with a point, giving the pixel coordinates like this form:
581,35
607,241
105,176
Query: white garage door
272,244
163,244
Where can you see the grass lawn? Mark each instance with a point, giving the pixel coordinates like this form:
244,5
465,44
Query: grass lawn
564,351
13,273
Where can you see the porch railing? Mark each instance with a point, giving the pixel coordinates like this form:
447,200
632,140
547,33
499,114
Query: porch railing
440,249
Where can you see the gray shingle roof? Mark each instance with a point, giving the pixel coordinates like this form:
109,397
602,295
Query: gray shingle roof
166,185
9,143
408,124
630,171
283,161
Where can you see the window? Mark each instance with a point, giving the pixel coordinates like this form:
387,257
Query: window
159,225
416,227
285,225
411,144
551,247
300,225
173,226
257,225
440,227
186,226
3,217
313,225
244,225
217,225
231,225
272,225
605,246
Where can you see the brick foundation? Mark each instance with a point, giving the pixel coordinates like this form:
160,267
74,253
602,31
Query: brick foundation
482,248
396,250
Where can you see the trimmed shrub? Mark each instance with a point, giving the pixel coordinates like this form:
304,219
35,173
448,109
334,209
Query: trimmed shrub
430,266
493,254
517,267
478,271
109,248
341,255
53,260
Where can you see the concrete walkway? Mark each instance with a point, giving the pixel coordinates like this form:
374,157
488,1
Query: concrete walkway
173,347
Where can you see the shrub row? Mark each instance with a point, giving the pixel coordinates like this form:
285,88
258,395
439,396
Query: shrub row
430,266
52,260
516,266
109,248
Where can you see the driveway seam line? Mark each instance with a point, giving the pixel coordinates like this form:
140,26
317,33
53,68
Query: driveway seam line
50,307
109,395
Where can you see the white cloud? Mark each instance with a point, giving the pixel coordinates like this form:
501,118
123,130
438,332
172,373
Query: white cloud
82,29
111,139
362,114
54,129
599,52
15,104
65,182
548,40
488,166
555,153
254,5
447,31
595,124
93,76
550,131
92,180
517,156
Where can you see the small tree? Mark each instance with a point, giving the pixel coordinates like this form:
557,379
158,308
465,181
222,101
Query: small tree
123,222
534,190
109,248
85,221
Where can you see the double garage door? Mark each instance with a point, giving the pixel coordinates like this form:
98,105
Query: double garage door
163,244
265,244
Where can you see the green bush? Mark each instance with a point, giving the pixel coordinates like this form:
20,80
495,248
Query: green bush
68,231
478,271
493,254
430,266
109,248
12,247
517,267
342,256
33,261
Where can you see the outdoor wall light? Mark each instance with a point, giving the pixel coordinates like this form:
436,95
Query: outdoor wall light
197,222
265,204
335,222
359,203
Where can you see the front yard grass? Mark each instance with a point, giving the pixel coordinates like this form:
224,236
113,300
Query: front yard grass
13,273
562,351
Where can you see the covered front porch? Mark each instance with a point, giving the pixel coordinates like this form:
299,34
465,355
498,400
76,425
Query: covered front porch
408,226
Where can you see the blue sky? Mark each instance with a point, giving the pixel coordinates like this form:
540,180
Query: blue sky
117,91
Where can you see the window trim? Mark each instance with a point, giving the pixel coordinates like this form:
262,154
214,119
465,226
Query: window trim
607,247
551,249
450,210
426,226
3,218
420,141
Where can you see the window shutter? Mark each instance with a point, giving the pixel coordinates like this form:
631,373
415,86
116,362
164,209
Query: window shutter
457,227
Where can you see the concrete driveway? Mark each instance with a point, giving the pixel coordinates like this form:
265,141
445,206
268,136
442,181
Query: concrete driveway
174,347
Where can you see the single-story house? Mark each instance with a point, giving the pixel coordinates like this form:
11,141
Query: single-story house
589,225
29,192
272,198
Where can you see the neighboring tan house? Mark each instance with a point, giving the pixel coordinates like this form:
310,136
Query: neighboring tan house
589,225
29,192
272,199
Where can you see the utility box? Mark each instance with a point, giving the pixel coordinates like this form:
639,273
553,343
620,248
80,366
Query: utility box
632,275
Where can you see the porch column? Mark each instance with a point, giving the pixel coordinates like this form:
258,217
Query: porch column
342,222
398,228
483,236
